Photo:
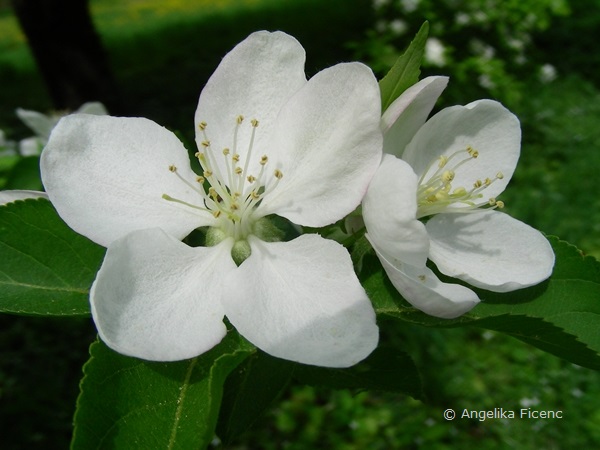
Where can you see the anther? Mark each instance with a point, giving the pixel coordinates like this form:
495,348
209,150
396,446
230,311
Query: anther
499,175
471,151
448,176
226,151
254,123
200,180
278,174
205,144
207,174
235,157
239,119
443,160
251,179
238,170
172,168
202,125
263,160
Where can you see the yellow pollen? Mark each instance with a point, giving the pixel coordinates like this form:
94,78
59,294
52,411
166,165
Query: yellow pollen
500,204
443,160
239,119
251,179
477,184
200,180
254,123
499,175
278,174
207,174
205,144
216,214
235,157
263,160
255,195
238,170
202,125
172,168
448,176
226,151
471,151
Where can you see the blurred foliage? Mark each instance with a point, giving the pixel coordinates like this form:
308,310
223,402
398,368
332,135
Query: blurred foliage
486,44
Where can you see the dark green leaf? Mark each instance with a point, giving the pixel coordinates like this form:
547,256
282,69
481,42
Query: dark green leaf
405,71
45,267
25,175
386,369
249,391
560,316
126,403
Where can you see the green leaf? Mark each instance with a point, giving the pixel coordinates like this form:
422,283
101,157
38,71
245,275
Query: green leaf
560,316
406,70
126,403
45,267
25,175
386,369
249,391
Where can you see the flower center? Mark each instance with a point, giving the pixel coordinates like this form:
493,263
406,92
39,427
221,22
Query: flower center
228,190
436,193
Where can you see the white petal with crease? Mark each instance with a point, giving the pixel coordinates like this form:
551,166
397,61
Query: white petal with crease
327,144
424,290
253,80
106,176
389,212
409,112
490,250
157,299
301,301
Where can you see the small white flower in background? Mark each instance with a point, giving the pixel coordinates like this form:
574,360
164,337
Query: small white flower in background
270,142
547,73
435,52
42,125
452,168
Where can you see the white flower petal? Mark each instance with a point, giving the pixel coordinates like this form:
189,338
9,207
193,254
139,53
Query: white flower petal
12,196
403,118
484,125
389,212
106,177
39,123
31,146
327,144
301,301
95,108
253,80
490,250
424,290
157,299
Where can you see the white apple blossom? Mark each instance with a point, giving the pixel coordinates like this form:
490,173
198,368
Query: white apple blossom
270,142
452,168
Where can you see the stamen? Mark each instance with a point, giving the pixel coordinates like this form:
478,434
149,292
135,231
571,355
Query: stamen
230,199
435,193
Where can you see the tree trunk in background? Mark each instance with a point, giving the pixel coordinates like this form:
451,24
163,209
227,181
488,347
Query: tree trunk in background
68,52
